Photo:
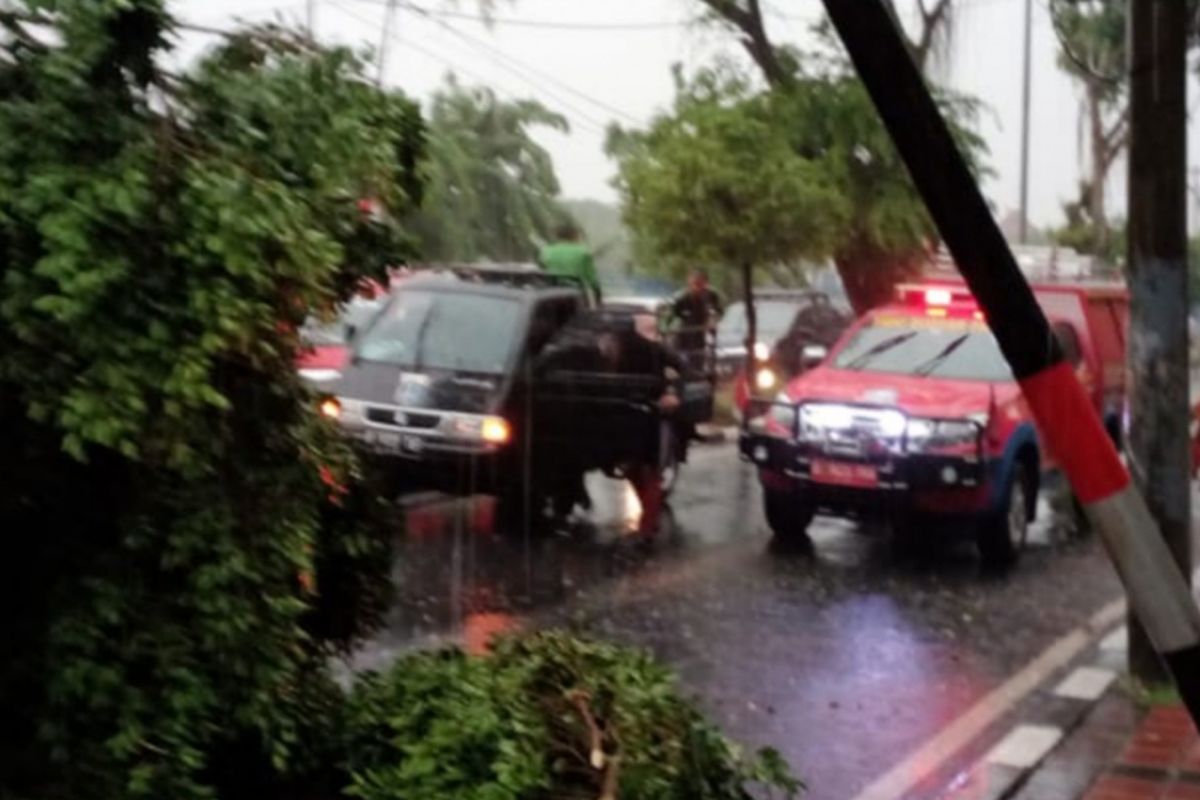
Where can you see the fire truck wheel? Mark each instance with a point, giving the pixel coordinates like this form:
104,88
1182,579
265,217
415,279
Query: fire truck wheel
787,514
1002,535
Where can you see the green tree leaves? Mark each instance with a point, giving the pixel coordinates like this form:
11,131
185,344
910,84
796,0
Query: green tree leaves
542,717
492,190
720,182
184,567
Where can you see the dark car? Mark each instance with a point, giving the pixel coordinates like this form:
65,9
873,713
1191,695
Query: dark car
781,314
437,385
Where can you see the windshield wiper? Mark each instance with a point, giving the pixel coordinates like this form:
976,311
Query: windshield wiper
861,360
947,351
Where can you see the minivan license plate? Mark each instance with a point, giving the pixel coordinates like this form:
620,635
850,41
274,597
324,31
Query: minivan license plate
382,441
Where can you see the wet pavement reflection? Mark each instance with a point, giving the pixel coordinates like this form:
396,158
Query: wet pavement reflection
845,654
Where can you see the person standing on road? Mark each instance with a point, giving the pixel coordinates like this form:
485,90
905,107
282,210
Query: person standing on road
638,351
570,257
696,310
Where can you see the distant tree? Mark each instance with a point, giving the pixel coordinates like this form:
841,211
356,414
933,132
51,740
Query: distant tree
1092,50
887,234
491,189
717,182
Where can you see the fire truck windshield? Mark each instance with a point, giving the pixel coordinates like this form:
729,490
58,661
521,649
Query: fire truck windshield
949,349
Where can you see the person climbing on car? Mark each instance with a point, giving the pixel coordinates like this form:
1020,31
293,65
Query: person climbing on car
697,310
569,257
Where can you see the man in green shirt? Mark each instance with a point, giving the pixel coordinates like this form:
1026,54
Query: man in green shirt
571,258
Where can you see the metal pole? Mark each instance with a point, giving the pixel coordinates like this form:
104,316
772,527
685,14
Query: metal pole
1026,94
389,19
311,19
1158,340
1071,428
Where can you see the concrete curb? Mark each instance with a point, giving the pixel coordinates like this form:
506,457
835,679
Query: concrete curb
1056,709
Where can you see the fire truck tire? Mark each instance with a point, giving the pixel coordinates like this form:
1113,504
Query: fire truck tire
788,515
1003,533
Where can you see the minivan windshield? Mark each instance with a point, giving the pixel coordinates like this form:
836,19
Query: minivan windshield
443,331
954,349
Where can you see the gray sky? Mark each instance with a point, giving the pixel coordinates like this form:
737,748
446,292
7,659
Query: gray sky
594,76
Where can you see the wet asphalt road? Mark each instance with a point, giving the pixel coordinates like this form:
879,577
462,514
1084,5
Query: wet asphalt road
845,657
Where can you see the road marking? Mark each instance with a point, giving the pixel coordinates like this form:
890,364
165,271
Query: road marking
1117,641
1024,746
1086,683
930,756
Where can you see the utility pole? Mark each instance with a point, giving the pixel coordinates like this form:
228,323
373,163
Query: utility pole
389,20
1158,353
311,19
1026,95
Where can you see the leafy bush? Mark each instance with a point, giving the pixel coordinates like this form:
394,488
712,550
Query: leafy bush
548,716
182,562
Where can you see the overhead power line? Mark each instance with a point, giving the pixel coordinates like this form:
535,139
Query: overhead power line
577,116
518,65
562,25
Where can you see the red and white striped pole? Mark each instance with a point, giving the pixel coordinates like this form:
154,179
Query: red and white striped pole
1158,591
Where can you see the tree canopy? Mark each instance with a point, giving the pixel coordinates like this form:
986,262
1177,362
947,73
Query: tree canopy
718,181
492,192
862,210
1092,49
875,226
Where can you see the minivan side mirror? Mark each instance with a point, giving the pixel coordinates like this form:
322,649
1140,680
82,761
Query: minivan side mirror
812,355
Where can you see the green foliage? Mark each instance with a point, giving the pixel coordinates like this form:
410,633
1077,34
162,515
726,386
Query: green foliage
548,716
187,541
806,170
719,182
1092,44
492,191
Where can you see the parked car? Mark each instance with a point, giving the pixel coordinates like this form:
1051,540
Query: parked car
327,344
915,413
799,316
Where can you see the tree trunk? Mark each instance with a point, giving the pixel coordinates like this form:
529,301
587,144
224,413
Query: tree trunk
1101,160
870,275
751,317
1158,357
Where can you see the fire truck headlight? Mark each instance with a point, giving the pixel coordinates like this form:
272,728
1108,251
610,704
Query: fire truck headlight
927,435
893,424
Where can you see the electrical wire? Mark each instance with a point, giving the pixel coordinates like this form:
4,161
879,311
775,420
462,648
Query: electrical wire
560,25
516,65
577,116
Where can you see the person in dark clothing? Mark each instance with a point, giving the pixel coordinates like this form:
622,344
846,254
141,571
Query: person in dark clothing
640,353
608,345
695,312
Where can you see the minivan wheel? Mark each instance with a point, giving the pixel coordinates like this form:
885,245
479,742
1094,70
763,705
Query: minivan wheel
1004,533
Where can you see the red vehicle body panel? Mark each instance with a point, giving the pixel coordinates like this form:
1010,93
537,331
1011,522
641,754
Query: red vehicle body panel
1095,316
332,356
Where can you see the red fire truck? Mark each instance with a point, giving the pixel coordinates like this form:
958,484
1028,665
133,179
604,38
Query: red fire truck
914,413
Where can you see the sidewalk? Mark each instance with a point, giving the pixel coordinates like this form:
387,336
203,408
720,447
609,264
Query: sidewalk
1121,751
1161,761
